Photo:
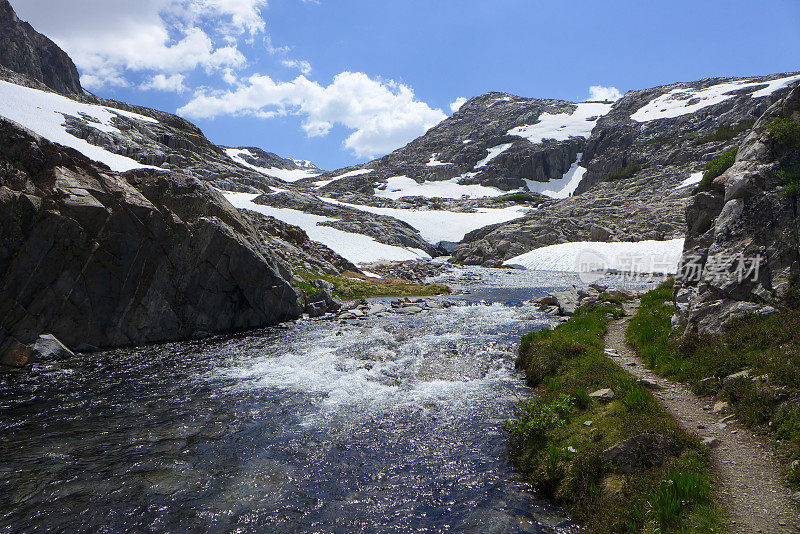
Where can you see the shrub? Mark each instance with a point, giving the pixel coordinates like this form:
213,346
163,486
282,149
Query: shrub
717,166
624,172
785,131
725,133
516,197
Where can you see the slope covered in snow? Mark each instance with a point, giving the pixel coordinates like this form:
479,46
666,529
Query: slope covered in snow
562,126
402,186
357,248
44,113
306,168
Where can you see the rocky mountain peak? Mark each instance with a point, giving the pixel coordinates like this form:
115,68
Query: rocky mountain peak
26,51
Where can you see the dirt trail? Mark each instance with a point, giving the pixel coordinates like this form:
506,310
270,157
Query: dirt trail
749,483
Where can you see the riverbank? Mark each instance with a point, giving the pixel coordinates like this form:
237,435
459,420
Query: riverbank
598,442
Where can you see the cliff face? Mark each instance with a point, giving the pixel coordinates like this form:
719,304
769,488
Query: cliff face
24,50
101,258
742,253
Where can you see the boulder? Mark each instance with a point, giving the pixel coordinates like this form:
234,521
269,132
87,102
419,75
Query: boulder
567,302
603,394
643,451
48,348
15,354
730,380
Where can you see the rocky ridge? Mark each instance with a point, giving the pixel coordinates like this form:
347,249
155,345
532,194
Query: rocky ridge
742,253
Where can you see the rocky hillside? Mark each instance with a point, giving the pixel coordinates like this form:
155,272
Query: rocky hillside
24,50
742,251
641,162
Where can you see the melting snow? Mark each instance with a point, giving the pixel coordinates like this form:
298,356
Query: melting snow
679,101
643,256
287,175
43,113
439,225
493,153
562,126
563,187
357,248
403,186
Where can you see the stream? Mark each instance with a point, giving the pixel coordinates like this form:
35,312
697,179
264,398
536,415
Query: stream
388,424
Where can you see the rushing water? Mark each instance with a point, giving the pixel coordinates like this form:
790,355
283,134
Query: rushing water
392,424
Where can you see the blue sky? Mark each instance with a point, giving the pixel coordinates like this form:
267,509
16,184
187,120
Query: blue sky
232,66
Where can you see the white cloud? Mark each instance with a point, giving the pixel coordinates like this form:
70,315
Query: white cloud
599,92
162,82
108,38
383,115
455,106
301,65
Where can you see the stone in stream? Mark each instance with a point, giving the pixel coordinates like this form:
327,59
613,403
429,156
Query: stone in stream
408,310
603,394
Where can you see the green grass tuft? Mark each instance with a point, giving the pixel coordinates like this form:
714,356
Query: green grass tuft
625,172
717,166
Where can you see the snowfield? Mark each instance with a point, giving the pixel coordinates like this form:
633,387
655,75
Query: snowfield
563,187
679,102
357,248
43,113
287,175
438,225
586,256
402,186
434,161
562,126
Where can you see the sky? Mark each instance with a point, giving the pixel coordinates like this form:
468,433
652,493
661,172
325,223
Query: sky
340,82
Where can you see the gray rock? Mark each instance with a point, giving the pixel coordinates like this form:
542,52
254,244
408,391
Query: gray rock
605,394
408,310
567,302
650,384
48,348
730,380
710,442
643,451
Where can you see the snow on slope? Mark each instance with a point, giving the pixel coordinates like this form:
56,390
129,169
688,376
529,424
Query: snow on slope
434,161
679,101
403,186
287,175
586,256
357,172
43,113
493,153
563,187
562,126
438,225
357,248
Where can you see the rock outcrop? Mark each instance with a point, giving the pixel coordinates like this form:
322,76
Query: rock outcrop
104,259
26,51
742,252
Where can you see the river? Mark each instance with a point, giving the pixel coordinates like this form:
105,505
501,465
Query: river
390,424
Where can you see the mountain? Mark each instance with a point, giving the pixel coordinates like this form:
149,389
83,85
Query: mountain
26,51
288,170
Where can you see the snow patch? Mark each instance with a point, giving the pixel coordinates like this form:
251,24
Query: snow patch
642,256
402,186
357,172
493,153
562,126
357,248
434,162
695,178
563,187
43,113
287,175
679,101
439,225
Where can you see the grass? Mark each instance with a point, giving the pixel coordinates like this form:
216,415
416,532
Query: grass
519,197
767,346
564,365
351,286
625,172
716,167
